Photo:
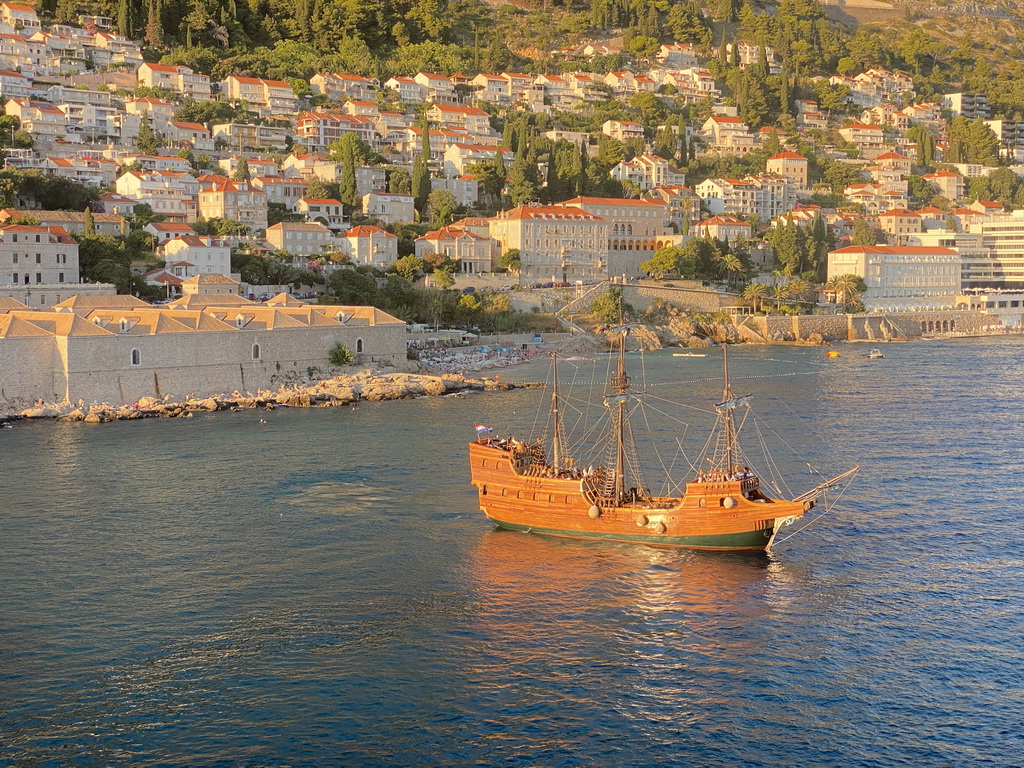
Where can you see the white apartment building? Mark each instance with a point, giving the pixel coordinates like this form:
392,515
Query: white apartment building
37,256
170,194
266,97
178,78
389,207
767,196
338,86
370,245
302,238
207,254
240,201
901,277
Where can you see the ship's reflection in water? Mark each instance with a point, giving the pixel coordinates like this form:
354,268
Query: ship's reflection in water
666,637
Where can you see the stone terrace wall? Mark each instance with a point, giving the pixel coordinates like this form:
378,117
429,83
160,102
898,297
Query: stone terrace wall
641,297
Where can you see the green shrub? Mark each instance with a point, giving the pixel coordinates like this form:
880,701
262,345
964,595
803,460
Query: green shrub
340,355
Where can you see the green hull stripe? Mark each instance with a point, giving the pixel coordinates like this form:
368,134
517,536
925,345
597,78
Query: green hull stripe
756,540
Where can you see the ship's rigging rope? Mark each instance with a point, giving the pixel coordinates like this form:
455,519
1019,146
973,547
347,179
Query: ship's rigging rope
586,433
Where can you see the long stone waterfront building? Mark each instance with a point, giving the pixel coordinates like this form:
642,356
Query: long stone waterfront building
117,349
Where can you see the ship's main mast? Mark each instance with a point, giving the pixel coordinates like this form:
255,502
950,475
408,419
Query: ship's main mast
556,440
620,383
726,397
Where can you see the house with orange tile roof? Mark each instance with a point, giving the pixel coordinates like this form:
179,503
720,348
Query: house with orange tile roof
899,224
339,86
40,118
266,97
389,207
239,201
208,254
951,185
472,120
791,165
177,78
370,245
329,212
622,129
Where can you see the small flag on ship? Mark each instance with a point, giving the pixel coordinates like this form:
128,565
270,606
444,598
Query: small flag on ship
482,430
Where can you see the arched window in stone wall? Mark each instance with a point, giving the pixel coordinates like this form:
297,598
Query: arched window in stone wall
359,346
255,351
136,357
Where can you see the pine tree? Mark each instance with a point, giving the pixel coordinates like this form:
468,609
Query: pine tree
66,12
523,182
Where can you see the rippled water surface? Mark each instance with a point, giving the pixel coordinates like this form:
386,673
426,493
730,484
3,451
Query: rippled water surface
322,589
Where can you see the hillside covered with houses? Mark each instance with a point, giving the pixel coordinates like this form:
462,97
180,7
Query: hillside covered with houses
763,148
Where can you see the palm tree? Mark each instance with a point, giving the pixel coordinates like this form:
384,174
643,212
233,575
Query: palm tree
755,293
732,266
780,291
846,288
798,288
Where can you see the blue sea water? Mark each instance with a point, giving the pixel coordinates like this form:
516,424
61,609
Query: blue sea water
322,589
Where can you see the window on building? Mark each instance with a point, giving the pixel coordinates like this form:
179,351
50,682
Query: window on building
255,351
39,277
359,346
136,357
39,258
60,277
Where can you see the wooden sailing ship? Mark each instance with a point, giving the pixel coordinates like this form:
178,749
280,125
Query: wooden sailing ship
724,508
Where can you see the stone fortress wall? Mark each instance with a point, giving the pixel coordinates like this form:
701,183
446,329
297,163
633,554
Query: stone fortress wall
101,369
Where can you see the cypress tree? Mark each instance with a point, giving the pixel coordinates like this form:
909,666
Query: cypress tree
146,141
347,183
784,106
89,225
154,31
241,171
421,171
124,17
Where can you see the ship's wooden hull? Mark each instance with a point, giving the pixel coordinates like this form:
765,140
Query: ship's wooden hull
710,516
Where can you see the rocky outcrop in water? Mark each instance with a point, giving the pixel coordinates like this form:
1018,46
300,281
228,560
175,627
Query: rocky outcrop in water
339,391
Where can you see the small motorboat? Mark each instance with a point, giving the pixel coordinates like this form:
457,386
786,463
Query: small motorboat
874,354
832,353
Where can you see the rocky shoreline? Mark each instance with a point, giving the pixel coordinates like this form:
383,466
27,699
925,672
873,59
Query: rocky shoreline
338,391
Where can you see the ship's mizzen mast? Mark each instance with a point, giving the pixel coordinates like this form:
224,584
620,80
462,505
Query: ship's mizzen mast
725,408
